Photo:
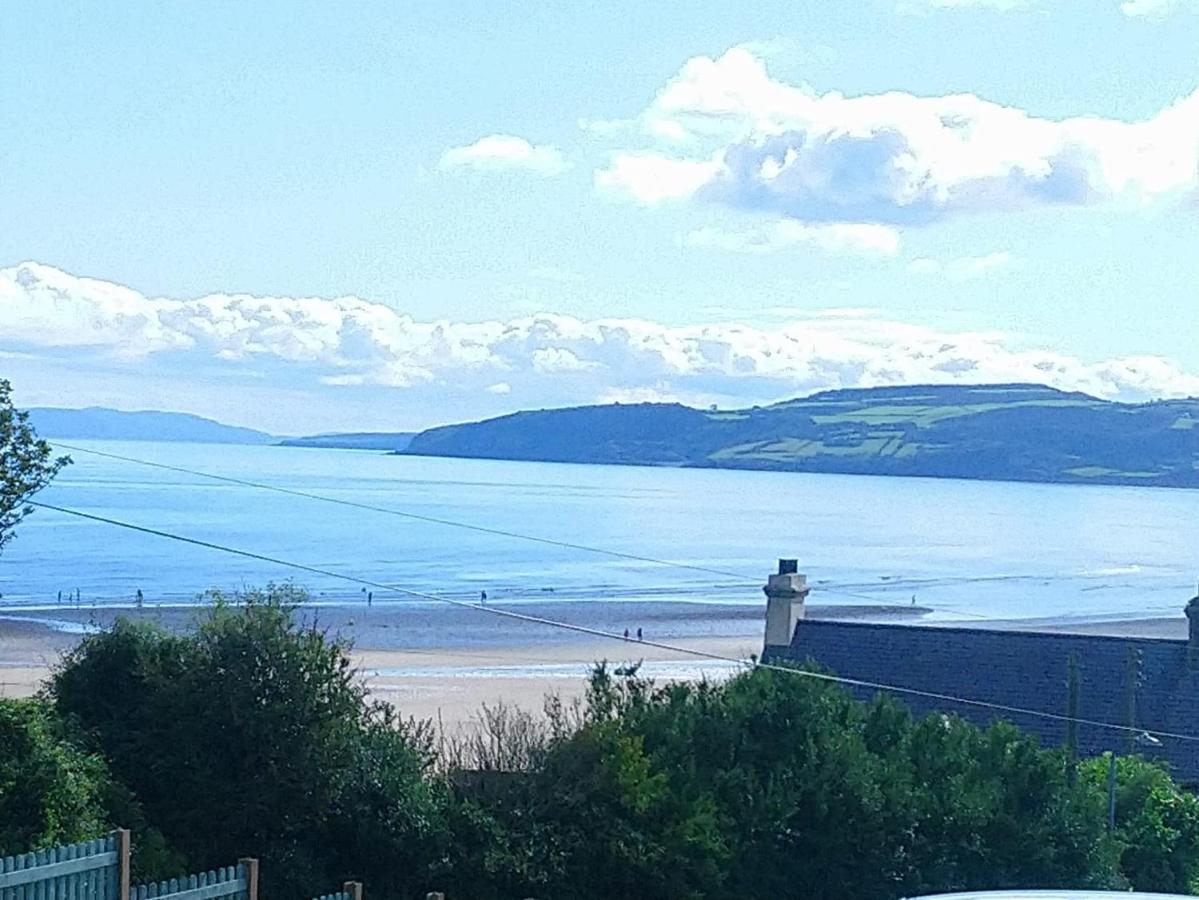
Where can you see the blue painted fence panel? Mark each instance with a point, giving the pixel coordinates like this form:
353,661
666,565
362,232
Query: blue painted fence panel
228,882
85,871
92,871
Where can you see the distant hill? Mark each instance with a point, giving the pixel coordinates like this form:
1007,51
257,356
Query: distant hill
1021,432
366,440
98,423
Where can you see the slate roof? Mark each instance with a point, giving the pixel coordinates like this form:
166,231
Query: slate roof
1024,669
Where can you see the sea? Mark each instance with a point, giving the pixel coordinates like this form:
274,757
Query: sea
616,541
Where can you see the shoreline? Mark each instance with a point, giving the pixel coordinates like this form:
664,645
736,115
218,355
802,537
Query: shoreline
444,664
448,684
1121,481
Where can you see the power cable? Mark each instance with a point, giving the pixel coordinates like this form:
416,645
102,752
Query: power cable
308,495
596,632
419,517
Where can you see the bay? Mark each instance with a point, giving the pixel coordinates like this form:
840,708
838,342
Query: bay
966,550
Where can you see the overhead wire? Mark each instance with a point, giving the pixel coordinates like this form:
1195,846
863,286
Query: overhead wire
817,586
453,523
419,517
600,633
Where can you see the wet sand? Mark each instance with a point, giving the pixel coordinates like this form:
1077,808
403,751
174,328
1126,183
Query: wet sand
28,652
443,663
446,685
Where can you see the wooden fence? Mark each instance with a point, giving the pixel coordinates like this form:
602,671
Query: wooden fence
351,890
99,870
238,882
92,870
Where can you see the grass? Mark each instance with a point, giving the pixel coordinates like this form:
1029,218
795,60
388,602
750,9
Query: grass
884,444
926,416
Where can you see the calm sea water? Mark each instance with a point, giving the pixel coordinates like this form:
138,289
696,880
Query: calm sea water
969,550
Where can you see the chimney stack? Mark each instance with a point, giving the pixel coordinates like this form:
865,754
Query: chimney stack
785,595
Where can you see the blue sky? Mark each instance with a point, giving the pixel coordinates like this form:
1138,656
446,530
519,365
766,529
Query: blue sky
772,198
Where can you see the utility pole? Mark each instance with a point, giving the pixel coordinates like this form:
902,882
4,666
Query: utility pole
1072,719
1132,677
1111,793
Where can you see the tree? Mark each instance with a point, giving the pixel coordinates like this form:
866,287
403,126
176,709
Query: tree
252,735
26,464
777,785
1157,825
51,790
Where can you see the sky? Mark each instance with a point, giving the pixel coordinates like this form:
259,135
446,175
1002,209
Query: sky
309,217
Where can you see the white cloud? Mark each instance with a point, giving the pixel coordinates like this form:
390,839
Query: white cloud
334,351
965,268
549,360
726,132
652,178
504,152
786,233
1156,10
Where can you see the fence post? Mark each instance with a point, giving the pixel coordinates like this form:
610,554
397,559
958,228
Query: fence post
352,890
251,865
124,848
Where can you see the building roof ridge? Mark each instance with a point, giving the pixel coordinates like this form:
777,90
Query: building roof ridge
975,629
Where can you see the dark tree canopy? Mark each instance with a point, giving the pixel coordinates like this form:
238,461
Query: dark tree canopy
252,735
26,464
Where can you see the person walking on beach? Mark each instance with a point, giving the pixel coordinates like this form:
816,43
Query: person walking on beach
140,598
626,634
370,597
639,633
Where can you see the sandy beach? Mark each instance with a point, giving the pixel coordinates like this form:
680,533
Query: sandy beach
448,682
28,651
451,686
444,663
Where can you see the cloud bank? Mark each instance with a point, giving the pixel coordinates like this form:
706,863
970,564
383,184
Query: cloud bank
724,132
326,352
505,152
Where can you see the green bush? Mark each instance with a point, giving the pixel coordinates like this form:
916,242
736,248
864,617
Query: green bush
1157,825
251,736
777,785
51,790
